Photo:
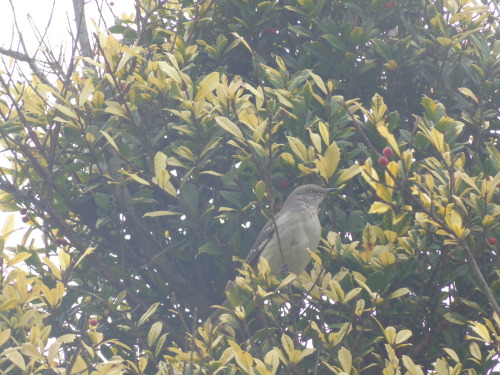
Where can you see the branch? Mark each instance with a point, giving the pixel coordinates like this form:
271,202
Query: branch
31,62
82,34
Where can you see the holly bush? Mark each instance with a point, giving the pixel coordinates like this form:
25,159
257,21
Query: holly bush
143,171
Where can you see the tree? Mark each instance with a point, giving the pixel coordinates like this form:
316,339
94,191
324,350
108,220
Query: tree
155,156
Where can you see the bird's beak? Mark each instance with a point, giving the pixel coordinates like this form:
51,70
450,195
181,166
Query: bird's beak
331,190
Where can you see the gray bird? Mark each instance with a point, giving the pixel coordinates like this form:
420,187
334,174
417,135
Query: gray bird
298,229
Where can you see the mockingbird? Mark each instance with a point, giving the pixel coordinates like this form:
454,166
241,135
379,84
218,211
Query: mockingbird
297,229
284,241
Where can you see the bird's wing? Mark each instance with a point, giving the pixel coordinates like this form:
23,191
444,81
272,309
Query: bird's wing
265,235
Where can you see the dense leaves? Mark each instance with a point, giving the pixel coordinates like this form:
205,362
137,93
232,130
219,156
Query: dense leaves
141,171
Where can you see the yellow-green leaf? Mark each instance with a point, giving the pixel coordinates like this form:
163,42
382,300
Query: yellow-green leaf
18,258
390,334
207,85
170,71
161,213
412,368
403,335
87,90
379,208
345,359
89,250
315,140
475,350
298,148
144,318
454,221
437,139
15,357
384,132
135,177
467,92
110,140
53,268
287,344
481,331
325,134
229,126
65,110
319,82
4,336
398,293
347,174
115,109
445,42
8,226
8,304
64,259
384,193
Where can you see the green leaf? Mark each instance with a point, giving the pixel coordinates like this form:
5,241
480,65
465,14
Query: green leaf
356,36
154,333
260,190
336,42
211,248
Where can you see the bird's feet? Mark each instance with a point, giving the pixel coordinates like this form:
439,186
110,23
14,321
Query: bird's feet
283,269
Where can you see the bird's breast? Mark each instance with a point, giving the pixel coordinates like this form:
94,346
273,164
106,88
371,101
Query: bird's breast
296,235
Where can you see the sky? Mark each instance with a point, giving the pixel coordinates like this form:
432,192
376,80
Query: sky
55,16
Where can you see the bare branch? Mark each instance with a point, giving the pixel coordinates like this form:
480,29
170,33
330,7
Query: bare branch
82,33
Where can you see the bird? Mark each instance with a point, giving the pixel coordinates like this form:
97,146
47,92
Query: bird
299,229
285,239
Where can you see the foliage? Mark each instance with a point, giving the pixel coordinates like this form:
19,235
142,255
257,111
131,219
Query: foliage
141,171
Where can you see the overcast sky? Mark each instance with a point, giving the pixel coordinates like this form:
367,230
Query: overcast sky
39,13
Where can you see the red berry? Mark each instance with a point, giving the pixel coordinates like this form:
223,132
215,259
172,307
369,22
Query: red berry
270,30
25,219
112,3
387,152
383,161
93,322
492,241
23,211
388,4
284,183
62,241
